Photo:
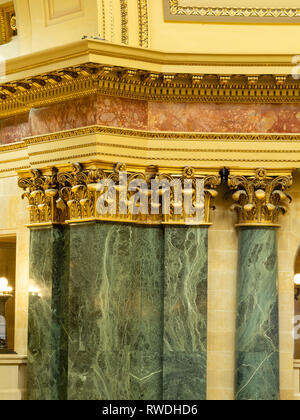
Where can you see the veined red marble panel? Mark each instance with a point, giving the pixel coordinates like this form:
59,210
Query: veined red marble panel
67,115
119,112
90,110
14,129
240,118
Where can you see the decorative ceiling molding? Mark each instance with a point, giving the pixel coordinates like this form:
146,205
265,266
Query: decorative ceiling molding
175,11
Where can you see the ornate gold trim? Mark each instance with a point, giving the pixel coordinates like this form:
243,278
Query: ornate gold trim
143,23
161,149
159,135
260,198
124,21
74,82
103,20
6,29
173,11
59,196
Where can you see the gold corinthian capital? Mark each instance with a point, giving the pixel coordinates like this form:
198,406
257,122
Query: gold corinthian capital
260,199
72,195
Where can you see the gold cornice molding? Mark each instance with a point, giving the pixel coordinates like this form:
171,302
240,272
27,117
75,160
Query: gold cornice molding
71,196
103,52
106,53
260,199
90,66
73,82
174,11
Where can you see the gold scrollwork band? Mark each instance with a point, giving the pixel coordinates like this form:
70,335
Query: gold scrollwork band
71,196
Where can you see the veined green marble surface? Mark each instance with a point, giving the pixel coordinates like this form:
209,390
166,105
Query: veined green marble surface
47,341
123,313
185,313
116,312
257,343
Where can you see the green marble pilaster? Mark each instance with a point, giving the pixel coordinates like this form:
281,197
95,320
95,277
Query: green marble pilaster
185,313
257,343
47,340
115,312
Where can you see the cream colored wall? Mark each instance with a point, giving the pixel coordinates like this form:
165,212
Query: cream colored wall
12,377
10,50
221,38
222,265
48,23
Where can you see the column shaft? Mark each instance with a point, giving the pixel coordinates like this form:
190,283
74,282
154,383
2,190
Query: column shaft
116,312
47,341
185,313
257,343
123,313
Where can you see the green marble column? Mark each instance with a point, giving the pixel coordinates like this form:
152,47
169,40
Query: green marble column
257,357
47,340
115,312
185,313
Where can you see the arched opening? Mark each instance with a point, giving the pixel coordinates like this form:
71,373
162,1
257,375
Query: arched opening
297,305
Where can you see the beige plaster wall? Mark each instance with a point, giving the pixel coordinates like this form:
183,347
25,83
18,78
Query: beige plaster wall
12,377
222,265
222,38
49,23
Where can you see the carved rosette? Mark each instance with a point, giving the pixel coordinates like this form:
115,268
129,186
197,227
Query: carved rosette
260,199
126,196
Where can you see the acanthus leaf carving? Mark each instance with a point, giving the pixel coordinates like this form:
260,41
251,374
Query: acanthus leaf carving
72,195
259,199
